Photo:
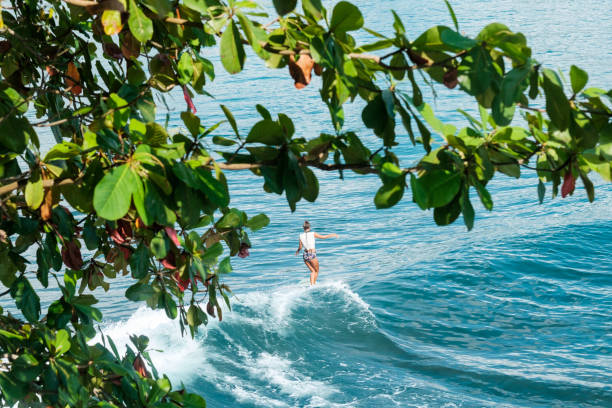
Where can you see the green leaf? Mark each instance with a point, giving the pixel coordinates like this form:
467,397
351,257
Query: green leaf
139,262
579,78
230,119
311,187
448,213
229,220
389,194
170,306
267,132
62,151
160,245
34,191
163,8
139,292
210,256
113,194
13,391
541,191
15,133
258,222
223,141
439,186
185,68
156,134
249,31
485,196
140,25
232,51
61,343
150,205
452,13
557,105
588,186
313,8
192,122
467,209
214,189
345,17
200,6
390,170
284,6
456,40
225,265
26,299
512,87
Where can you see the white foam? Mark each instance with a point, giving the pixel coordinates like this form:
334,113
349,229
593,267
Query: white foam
274,307
278,372
185,359
171,353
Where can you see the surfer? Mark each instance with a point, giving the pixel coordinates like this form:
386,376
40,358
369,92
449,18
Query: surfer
307,240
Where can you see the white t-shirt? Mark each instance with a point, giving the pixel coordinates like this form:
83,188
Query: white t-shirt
308,240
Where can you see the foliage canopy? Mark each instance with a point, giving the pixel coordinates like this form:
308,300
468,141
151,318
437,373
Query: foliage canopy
118,194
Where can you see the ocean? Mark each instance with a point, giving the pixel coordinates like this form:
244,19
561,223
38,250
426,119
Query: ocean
515,313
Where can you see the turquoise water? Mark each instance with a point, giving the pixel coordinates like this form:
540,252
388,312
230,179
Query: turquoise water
515,313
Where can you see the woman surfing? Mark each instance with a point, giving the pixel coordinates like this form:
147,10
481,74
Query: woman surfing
307,240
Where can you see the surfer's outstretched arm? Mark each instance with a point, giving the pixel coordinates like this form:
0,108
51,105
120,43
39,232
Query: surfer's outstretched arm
299,248
325,236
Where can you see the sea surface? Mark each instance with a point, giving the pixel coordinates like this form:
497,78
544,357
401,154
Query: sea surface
516,313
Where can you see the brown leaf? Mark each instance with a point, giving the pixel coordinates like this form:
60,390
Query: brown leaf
4,46
301,70
51,70
73,79
318,69
219,313
112,254
569,184
210,309
112,50
47,205
130,46
450,78
71,255
417,59
126,251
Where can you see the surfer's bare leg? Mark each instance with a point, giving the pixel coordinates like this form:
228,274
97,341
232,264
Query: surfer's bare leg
315,273
312,272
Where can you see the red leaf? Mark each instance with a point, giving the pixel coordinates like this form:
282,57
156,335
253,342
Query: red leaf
125,229
127,252
183,284
569,184
172,235
169,261
71,255
244,250
140,367
188,100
